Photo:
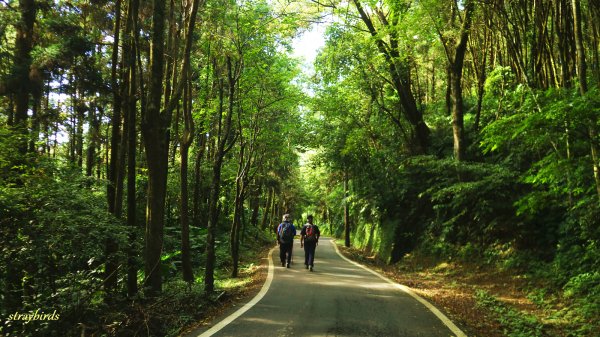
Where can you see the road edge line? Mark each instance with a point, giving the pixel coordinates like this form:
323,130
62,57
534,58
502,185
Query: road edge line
447,322
248,305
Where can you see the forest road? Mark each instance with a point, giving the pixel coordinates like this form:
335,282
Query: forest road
339,298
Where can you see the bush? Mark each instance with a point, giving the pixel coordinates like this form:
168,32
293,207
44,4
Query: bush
53,230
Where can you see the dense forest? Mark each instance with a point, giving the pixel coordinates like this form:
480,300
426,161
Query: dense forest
147,148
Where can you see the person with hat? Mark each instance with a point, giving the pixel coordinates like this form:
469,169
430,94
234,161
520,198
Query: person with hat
285,236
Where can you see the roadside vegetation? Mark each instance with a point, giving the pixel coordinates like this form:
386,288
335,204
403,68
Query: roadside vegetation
485,300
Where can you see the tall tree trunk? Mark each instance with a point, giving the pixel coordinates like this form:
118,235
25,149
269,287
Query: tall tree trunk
80,109
458,128
582,76
200,218
37,91
154,128
213,217
255,204
594,15
93,136
132,267
346,210
234,236
93,128
116,116
23,47
198,215
115,142
186,141
223,136
274,212
480,72
265,218
19,120
448,93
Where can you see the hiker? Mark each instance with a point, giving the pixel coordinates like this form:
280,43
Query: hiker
285,236
309,239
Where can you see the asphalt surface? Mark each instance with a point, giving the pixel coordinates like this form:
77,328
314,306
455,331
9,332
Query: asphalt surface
338,298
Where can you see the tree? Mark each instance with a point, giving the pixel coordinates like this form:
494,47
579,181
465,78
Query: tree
583,88
21,80
399,67
456,56
224,143
156,120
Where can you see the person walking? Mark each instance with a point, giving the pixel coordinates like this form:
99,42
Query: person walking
285,236
309,239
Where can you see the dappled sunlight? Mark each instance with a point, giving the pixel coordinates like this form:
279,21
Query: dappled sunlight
377,286
345,268
333,284
262,321
381,296
343,275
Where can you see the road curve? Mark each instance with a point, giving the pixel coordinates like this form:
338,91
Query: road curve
339,298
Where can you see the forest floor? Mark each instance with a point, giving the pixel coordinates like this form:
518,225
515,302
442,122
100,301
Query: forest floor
457,288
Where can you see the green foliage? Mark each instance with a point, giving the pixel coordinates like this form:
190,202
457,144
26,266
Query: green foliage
53,230
584,289
11,161
514,323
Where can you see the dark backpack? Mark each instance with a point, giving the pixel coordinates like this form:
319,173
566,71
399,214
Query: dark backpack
287,233
311,235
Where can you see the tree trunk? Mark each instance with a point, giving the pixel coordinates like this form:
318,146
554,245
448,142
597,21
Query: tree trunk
132,268
582,76
116,117
93,136
263,223
346,210
449,90
37,91
223,134
186,141
272,215
255,205
23,47
457,99
154,128
198,195
400,76
114,205
213,217
80,109
238,209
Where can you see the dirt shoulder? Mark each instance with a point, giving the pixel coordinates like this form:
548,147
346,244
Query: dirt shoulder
457,290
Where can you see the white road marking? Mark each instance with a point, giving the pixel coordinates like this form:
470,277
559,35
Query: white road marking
458,332
247,306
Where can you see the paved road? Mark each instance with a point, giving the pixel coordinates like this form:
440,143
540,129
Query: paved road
338,299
